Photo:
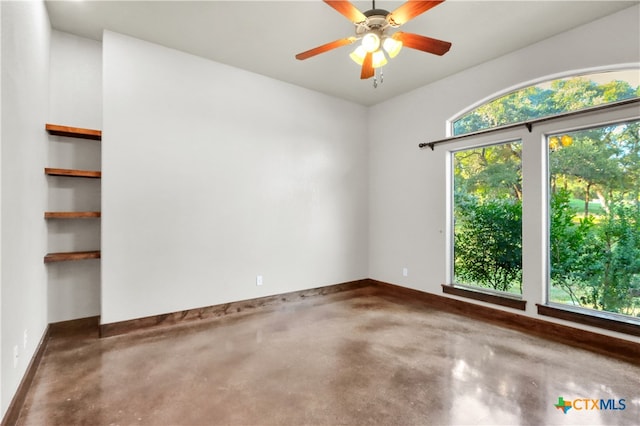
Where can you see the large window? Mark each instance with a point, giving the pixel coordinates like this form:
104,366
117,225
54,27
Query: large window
549,213
487,214
595,218
551,98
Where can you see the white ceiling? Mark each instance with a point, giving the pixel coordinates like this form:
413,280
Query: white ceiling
264,36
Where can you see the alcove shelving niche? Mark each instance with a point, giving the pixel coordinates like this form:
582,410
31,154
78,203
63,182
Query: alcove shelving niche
63,173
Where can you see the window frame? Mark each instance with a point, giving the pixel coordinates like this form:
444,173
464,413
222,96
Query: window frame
493,296
583,315
511,300
535,216
449,130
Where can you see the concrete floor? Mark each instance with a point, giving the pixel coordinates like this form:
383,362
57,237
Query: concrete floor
356,357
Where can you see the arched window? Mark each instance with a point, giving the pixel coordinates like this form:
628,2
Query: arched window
550,98
580,192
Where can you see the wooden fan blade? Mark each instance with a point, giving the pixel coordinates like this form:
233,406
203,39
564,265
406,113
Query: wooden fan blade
348,10
425,44
410,10
325,48
367,67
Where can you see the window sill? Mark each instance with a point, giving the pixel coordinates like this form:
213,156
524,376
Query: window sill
496,299
592,318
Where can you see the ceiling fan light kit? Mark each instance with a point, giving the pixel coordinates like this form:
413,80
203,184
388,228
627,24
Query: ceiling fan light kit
392,46
371,41
377,43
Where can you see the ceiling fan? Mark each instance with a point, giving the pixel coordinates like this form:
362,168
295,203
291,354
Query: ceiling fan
374,27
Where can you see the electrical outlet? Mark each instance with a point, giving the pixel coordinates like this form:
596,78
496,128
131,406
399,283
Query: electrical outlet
15,356
25,339
405,272
259,280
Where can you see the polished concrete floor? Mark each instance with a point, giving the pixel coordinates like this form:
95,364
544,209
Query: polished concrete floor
356,357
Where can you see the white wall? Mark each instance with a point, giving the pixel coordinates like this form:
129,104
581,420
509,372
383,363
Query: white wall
25,76
75,95
408,219
213,175
75,99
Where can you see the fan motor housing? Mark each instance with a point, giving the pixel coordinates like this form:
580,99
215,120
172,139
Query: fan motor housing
374,12
376,21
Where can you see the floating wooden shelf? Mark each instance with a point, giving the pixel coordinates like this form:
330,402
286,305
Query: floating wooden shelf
73,173
73,132
72,255
71,215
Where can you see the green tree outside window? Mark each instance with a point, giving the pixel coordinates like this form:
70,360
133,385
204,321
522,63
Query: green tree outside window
594,188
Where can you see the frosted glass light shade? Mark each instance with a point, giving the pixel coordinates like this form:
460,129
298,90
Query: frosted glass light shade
358,55
371,42
379,60
392,46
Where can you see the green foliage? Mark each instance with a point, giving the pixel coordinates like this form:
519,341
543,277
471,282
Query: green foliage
594,252
571,248
626,141
533,102
618,262
488,216
490,171
598,266
590,165
515,107
596,260
577,205
488,242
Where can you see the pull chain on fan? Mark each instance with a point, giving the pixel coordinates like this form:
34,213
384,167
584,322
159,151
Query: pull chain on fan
375,79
